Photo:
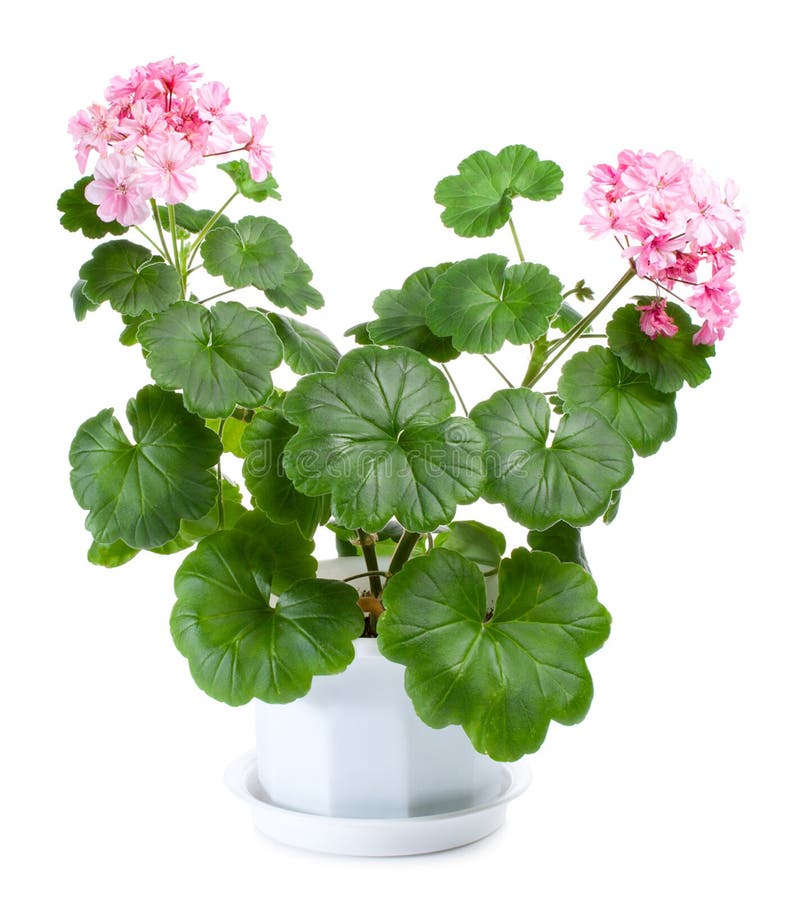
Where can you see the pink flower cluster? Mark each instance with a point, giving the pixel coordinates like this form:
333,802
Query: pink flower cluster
156,127
678,227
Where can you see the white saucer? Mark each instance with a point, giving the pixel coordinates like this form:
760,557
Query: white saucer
374,837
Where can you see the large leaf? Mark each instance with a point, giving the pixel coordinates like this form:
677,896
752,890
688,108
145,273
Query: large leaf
256,251
475,541
139,493
667,361
238,645
306,349
478,200
220,357
503,677
294,290
596,379
376,435
79,214
402,317
571,480
481,303
239,171
131,278
272,490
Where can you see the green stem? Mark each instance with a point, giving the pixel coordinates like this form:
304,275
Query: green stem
515,239
161,232
368,544
579,328
208,226
379,572
221,506
220,294
407,543
455,388
171,219
150,240
496,368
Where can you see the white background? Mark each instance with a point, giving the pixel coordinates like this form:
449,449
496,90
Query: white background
675,785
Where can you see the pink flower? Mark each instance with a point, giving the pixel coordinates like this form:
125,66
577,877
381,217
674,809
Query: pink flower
213,100
655,320
92,129
184,118
167,161
118,191
143,122
656,254
176,79
717,302
712,220
260,156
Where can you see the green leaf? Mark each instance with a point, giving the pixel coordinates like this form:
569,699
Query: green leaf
376,435
476,542
233,509
566,318
128,337
282,548
667,361
571,480
139,493
360,334
254,252
111,555
220,357
478,200
402,317
306,349
239,171
232,434
502,677
79,214
563,540
82,304
294,291
272,490
596,379
481,303
614,507
131,278
238,645
191,220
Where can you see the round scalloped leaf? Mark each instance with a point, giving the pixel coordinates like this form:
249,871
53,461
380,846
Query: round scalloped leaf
596,379
294,291
502,677
478,200
305,349
571,480
283,549
239,171
402,317
481,303
238,645
376,435
256,252
272,490
667,361
220,357
139,493
131,278
79,214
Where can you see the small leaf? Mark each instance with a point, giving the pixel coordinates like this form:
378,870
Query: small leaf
476,542
478,200
570,480
131,278
614,507
272,490
192,221
82,304
111,555
667,361
256,252
563,540
566,318
239,171
377,436
79,214
402,317
128,337
238,645
294,290
503,676
481,303
306,349
360,334
220,357
232,434
596,379
139,493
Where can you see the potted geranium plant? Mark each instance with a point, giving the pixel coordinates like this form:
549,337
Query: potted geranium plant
372,444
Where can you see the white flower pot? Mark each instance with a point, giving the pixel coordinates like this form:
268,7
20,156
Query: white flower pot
350,768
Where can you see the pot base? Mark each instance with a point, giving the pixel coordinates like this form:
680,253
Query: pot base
374,837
